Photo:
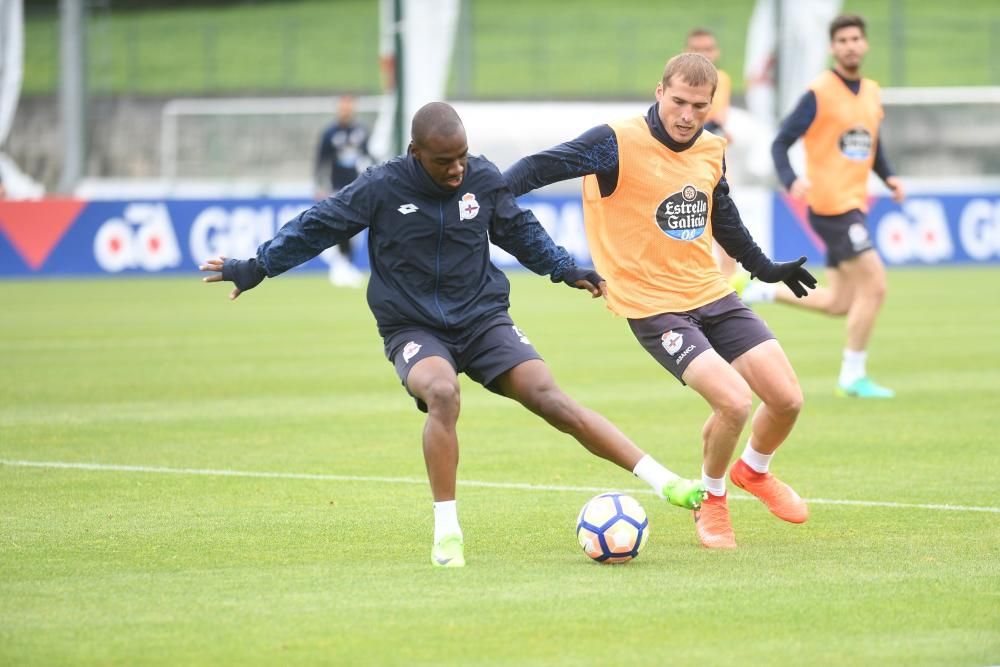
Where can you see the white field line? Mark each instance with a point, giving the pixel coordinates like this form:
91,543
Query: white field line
209,472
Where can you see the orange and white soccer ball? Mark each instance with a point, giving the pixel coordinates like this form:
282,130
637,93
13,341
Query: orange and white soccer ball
612,528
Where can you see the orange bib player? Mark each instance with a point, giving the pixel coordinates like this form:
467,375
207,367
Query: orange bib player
838,119
655,197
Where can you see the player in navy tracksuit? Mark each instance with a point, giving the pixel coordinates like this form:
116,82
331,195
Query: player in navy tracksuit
341,157
441,305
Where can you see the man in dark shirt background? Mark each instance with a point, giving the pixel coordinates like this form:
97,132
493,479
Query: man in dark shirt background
341,156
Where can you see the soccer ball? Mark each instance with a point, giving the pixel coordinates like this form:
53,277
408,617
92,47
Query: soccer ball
612,528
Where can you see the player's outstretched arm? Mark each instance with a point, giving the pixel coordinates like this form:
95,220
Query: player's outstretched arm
244,273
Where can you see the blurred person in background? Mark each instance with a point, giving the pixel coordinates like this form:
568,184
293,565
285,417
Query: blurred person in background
702,40
654,196
341,156
838,119
441,306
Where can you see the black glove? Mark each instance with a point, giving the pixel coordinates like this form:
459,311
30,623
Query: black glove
790,273
245,273
582,273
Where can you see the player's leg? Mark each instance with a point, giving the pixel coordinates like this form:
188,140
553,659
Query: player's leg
730,399
727,265
342,272
426,367
433,380
834,299
531,384
866,273
769,374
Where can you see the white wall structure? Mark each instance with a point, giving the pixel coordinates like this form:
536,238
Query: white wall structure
16,183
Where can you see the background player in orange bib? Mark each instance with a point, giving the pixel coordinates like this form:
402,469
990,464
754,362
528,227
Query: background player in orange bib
838,119
655,195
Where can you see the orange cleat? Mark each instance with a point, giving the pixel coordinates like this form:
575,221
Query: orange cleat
715,530
780,498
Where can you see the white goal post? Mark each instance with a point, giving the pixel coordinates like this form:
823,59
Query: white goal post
263,139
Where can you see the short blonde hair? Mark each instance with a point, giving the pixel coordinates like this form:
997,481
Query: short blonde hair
694,68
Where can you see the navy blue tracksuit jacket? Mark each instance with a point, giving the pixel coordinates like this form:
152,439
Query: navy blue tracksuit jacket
428,247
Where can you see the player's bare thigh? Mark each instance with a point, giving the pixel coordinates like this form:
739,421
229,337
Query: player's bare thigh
864,273
770,375
717,381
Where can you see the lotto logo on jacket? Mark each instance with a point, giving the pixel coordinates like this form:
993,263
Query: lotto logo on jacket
683,215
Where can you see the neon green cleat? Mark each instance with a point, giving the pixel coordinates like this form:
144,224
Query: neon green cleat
686,493
448,552
864,388
739,281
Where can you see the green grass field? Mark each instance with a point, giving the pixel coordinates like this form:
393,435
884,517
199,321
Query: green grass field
165,553
521,49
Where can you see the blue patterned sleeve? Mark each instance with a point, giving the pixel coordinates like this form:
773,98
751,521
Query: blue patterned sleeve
518,231
326,224
593,152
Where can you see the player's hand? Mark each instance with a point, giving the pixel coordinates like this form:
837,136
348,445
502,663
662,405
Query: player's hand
588,279
800,187
244,273
896,186
790,273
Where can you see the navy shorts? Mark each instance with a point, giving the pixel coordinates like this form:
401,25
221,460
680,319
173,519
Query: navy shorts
484,354
846,235
676,339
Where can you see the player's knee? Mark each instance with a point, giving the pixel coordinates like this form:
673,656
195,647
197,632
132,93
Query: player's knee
838,308
442,395
876,290
788,405
735,406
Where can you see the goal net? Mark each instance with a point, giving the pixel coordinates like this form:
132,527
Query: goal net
266,140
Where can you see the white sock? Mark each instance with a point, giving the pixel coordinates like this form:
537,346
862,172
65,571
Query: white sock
758,292
853,366
758,462
446,520
715,485
652,473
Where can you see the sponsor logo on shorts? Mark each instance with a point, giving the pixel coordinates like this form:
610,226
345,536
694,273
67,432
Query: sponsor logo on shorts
409,350
856,144
858,234
520,335
672,342
683,215
686,352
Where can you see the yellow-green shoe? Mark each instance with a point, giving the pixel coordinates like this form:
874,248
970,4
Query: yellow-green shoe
864,388
448,552
686,493
739,281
